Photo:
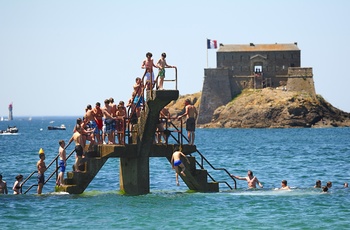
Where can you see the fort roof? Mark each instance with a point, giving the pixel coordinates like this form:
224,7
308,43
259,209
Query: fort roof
258,47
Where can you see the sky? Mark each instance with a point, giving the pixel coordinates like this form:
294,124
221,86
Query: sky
58,56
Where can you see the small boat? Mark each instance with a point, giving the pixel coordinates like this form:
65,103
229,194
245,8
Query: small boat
62,127
10,129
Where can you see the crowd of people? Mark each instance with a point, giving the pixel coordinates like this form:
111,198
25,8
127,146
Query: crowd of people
107,125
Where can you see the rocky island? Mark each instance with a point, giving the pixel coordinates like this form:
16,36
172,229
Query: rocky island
270,108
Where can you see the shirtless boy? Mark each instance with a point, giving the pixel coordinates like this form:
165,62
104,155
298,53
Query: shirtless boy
177,164
107,112
79,151
62,163
3,186
161,73
191,114
138,100
148,65
99,122
120,123
284,185
251,180
89,119
164,115
41,169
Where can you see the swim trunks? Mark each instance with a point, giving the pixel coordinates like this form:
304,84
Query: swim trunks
148,76
93,125
119,125
110,125
62,166
177,162
41,178
138,101
79,150
99,123
191,124
161,73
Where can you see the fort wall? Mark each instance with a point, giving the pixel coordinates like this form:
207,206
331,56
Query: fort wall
220,87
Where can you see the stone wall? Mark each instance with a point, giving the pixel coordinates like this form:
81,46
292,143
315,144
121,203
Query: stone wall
301,79
220,87
216,92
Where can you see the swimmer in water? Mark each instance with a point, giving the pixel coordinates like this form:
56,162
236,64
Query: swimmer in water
251,180
284,185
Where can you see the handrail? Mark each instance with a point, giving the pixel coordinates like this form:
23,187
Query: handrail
165,79
202,158
49,165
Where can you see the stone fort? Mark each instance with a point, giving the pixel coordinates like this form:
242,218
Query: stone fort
252,66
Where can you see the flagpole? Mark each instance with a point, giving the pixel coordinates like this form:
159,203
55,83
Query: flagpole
207,51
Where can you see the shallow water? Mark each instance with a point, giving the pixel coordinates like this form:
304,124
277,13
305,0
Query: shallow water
301,156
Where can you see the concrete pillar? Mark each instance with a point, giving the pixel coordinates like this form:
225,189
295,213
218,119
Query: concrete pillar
134,175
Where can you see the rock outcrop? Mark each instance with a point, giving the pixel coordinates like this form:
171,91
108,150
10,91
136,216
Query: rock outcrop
272,108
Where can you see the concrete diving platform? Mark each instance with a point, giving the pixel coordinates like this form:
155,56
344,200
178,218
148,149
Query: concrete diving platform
134,158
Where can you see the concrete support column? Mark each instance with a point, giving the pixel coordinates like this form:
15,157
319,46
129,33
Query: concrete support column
134,175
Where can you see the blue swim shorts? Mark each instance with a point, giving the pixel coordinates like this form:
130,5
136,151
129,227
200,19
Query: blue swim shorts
177,162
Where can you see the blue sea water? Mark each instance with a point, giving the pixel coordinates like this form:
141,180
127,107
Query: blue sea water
300,156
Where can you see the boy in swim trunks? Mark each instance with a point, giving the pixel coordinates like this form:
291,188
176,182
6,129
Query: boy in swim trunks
148,65
161,73
177,164
99,122
41,169
62,162
191,114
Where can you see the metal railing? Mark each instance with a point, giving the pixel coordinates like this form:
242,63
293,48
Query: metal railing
180,139
48,166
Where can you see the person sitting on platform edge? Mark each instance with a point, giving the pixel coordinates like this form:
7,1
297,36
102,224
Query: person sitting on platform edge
177,164
251,180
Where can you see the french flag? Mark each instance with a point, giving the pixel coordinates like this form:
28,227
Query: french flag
212,44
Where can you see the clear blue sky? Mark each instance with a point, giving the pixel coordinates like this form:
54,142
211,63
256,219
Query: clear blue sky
58,56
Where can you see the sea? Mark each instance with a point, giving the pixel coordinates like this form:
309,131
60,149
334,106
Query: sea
299,155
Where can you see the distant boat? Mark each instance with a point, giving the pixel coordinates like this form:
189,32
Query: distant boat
9,130
62,127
